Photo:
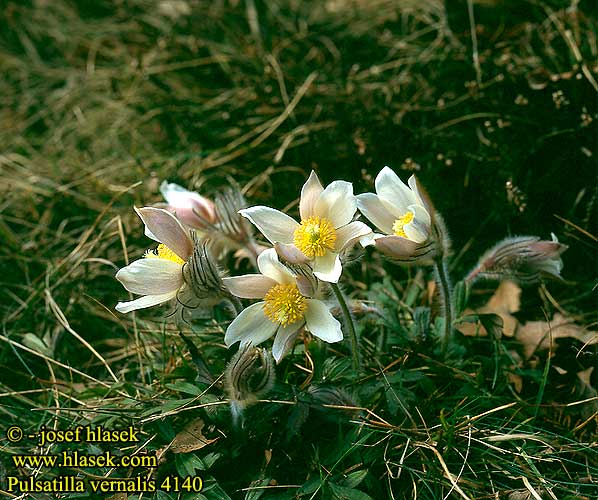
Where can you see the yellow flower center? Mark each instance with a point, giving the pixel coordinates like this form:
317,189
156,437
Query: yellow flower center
284,304
401,222
163,252
314,236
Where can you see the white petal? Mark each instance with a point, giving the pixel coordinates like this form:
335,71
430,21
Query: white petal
177,196
272,223
328,267
321,323
284,340
290,253
348,234
418,229
143,302
309,194
165,228
270,266
393,191
337,203
250,286
251,326
370,205
151,276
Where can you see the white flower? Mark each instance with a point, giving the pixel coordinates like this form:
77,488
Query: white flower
157,276
326,227
191,208
402,213
285,309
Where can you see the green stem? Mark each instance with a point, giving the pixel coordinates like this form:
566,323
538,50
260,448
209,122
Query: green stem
349,324
444,285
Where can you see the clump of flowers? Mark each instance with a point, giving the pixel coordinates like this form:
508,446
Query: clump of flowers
291,292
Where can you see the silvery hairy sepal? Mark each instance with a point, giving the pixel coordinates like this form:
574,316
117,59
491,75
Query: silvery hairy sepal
249,375
525,259
203,280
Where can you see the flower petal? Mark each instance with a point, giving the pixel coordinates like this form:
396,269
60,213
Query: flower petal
348,234
273,224
321,323
309,194
165,228
290,253
337,203
250,286
405,250
376,212
328,267
422,195
143,302
250,327
284,340
418,229
270,266
394,192
151,276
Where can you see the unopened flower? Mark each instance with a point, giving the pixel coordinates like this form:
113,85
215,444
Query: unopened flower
525,259
158,276
286,308
404,216
190,207
248,376
326,229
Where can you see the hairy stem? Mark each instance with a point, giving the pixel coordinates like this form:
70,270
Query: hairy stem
444,286
349,324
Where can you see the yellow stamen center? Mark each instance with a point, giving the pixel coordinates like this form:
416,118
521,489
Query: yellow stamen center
401,222
284,304
163,252
315,236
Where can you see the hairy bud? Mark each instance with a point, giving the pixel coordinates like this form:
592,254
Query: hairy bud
249,375
525,259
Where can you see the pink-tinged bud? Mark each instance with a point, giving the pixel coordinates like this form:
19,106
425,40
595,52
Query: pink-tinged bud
190,208
406,251
525,259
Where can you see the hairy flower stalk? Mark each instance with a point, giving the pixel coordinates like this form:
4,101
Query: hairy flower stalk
349,324
525,259
287,306
413,232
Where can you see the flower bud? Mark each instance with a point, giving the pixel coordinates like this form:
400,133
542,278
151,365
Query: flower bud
525,259
190,208
249,375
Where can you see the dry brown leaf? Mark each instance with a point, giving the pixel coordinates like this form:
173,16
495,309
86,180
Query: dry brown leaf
516,380
505,301
191,438
537,335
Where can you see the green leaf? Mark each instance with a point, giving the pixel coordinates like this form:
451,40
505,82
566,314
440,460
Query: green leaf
353,479
461,297
342,493
184,387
